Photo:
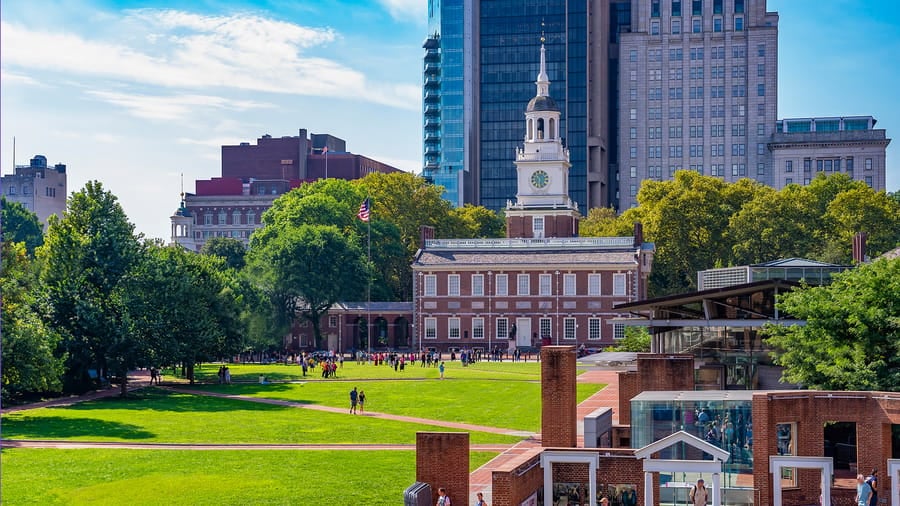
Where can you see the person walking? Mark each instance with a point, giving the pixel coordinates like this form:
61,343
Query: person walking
479,500
699,494
863,491
443,498
441,370
354,397
872,480
362,401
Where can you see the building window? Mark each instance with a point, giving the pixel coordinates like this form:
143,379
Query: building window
761,169
633,76
717,24
820,165
502,326
477,328
208,219
717,6
654,9
761,50
523,284
618,331
632,113
11,190
430,328
633,55
537,226
236,218
430,285
738,6
223,217
569,284
632,171
545,284
501,285
697,7
632,133
632,152
332,321
594,284
850,164
760,90
676,8
453,285
807,164
696,25
761,129
478,285
868,164
789,166
788,180
594,329
739,23
544,325
619,284
869,180
251,218
654,27
569,328
453,328
760,148
761,70
676,26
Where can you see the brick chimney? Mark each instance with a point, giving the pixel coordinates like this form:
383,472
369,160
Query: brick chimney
638,234
426,233
859,247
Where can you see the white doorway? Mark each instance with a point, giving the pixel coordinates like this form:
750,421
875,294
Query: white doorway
523,332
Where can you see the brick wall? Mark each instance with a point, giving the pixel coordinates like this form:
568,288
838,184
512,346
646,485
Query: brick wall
629,386
518,480
442,460
654,373
559,417
872,412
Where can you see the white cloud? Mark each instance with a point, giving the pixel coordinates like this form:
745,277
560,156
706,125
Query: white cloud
182,50
407,10
7,77
173,106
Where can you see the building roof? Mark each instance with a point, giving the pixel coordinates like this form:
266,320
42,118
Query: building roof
540,103
375,307
795,262
695,395
524,258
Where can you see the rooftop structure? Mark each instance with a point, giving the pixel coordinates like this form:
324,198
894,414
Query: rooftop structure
39,187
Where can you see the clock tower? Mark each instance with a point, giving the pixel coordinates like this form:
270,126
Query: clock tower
542,208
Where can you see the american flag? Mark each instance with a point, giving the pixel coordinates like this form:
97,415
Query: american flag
363,213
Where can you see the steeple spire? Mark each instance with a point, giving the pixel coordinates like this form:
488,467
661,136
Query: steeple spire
543,81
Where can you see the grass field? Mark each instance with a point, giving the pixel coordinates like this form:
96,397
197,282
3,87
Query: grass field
137,477
503,395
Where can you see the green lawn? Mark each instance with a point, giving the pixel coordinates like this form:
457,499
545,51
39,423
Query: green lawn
135,477
153,415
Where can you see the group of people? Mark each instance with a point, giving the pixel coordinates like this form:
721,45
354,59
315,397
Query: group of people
155,375
224,375
357,401
444,499
867,489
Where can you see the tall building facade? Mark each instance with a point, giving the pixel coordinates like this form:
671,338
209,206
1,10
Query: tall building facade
804,147
478,70
38,187
253,176
697,89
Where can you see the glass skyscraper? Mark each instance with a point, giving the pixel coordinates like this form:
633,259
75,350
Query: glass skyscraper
480,61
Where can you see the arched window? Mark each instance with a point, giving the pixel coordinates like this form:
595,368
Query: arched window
222,217
530,135
540,128
236,217
552,128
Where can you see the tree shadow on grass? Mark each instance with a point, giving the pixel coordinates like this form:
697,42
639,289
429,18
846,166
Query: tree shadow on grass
153,399
61,427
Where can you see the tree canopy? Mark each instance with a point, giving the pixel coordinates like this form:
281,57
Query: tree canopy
20,225
851,340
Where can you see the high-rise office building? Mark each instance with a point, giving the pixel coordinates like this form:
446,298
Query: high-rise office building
478,71
697,90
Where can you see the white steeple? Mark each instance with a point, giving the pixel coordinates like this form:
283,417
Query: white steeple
543,82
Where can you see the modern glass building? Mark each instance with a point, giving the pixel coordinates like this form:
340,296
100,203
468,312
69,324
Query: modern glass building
480,61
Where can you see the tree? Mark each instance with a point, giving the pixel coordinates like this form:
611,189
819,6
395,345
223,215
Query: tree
86,256
20,225
604,222
860,209
306,269
231,250
477,222
183,307
29,363
851,340
637,339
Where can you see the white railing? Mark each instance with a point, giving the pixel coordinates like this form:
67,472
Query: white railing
519,243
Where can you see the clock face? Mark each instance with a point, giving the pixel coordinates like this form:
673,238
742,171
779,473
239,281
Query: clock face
539,179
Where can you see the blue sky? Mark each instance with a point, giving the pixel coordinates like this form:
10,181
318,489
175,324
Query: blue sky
136,93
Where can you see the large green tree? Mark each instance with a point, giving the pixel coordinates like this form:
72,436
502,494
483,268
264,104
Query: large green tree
29,344
20,225
87,256
851,340
231,250
306,269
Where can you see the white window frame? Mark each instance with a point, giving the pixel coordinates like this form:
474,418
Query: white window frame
594,284
569,327
523,284
430,288
477,285
595,329
618,331
332,321
501,285
569,285
620,284
453,285
430,328
501,328
545,284
478,328
537,227
235,217
545,328
453,328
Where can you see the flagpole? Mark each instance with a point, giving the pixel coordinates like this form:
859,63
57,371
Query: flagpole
369,276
